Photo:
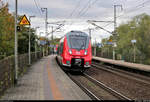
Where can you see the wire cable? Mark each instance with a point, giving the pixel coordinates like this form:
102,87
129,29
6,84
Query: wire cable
36,4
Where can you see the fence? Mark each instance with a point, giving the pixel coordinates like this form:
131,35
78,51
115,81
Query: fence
7,69
105,53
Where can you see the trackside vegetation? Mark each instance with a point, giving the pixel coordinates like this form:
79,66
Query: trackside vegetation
139,29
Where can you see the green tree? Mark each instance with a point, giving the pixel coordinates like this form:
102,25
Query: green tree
7,30
141,33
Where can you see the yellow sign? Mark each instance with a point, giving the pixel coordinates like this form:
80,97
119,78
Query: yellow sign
24,21
110,40
42,38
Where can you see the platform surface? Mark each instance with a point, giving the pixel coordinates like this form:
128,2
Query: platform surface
141,67
45,80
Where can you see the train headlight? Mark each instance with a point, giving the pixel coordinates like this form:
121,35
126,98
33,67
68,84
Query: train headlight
87,63
70,51
67,62
85,53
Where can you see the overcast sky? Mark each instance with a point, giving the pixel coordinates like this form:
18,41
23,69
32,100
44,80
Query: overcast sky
77,12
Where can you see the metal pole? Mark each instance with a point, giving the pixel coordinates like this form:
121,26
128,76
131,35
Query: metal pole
52,33
29,43
95,48
46,21
115,25
35,50
46,26
36,44
114,31
16,43
30,39
134,52
134,47
134,55
52,41
90,33
43,50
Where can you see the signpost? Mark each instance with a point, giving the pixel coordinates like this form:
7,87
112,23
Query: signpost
24,21
42,42
133,42
16,43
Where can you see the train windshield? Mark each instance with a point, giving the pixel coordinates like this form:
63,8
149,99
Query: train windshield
78,42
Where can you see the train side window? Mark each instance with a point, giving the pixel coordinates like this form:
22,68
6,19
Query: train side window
58,50
61,48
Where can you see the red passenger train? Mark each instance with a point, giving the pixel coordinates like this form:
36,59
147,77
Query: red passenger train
74,51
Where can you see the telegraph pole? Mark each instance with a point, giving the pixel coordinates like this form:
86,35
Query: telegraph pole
52,33
134,42
46,21
35,44
52,40
115,25
16,43
29,43
90,33
30,39
95,48
45,9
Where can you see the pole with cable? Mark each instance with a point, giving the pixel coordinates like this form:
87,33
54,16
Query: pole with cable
115,34
30,40
16,43
52,41
35,43
46,16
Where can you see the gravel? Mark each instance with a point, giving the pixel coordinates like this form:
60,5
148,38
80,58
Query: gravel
128,87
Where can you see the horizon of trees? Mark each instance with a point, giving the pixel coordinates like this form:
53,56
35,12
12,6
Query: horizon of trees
139,29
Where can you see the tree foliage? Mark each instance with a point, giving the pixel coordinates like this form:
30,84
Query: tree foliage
139,29
7,35
6,30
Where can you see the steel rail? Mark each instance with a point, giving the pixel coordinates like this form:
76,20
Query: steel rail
115,93
88,92
123,73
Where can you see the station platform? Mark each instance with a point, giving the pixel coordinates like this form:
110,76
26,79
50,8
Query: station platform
45,80
141,67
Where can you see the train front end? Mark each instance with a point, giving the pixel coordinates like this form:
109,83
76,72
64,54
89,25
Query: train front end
77,50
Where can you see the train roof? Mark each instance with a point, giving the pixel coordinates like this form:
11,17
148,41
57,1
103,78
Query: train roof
77,33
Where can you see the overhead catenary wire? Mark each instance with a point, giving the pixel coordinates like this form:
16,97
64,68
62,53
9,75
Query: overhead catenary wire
84,9
39,10
73,11
136,8
129,11
88,7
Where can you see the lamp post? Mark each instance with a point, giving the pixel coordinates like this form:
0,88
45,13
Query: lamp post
35,43
133,42
30,39
16,43
115,33
46,16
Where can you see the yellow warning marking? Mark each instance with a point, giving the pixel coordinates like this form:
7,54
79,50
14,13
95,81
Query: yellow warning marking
110,40
24,21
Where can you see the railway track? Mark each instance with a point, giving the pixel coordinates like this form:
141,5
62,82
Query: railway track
122,73
133,85
96,89
107,83
86,90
